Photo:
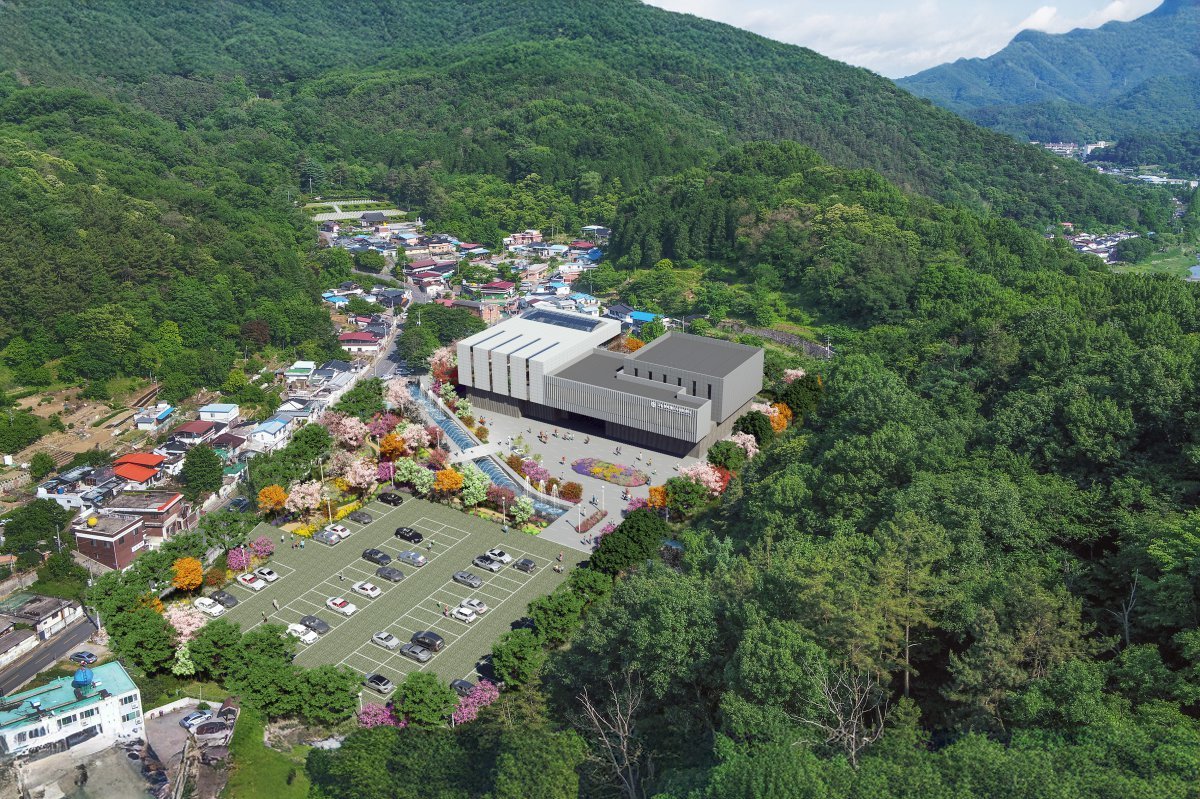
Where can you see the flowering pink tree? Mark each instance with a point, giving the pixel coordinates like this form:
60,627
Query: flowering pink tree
637,503
501,496
186,620
383,424
348,431
373,715
339,462
304,497
238,559
534,471
469,706
438,459
764,408
705,475
263,547
415,437
746,442
395,393
385,471
608,528
792,375
361,476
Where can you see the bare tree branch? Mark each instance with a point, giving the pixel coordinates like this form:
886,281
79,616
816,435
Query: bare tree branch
613,731
850,710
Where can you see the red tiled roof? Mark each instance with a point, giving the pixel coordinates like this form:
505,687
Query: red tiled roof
196,428
429,275
358,336
499,285
421,264
149,459
134,473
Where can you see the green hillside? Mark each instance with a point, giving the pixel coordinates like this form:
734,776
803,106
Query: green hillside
1107,83
611,87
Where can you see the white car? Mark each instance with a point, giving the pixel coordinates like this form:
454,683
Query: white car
366,589
465,615
342,606
252,581
208,607
339,530
500,555
385,640
305,635
476,605
267,574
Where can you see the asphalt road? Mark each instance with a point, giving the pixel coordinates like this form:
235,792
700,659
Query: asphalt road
47,654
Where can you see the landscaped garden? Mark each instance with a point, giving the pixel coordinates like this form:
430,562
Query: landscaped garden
610,472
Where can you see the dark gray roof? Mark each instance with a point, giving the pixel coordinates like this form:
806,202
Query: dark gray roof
705,356
599,369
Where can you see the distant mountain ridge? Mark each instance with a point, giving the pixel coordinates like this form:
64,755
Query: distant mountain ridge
1141,75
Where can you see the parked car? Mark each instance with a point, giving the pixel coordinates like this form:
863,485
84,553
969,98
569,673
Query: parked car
361,517
340,605
239,504
193,719
366,589
208,607
429,639
377,682
415,559
326,537
525,565
484,562
410,535
385,640
462,687
251,581
500,555
315,624
270,575
474,604
377,556
83,658
225,598
467,579
415,652
340,530
389,573
465,615
305,634
391,498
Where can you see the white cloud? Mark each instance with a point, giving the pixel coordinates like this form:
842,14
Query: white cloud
899,39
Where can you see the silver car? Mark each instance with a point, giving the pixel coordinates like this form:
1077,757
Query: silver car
468,579
385,640
415,652
326,537
411,558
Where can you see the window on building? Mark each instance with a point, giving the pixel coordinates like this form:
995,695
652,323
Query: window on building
37,732
129,716
67,720
710,390
693,388
91,711
649,375
129,700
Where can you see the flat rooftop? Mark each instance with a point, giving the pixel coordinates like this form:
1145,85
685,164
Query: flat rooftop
59,696
600,369
107,524
705,356
145,500
542,334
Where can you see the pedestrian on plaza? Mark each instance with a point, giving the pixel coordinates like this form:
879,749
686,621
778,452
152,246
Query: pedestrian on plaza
564,460
341,577
264,614
275,604
281,538
429,546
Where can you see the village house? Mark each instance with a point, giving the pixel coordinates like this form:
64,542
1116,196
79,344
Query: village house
220,412
163,513
270,435
139,470
151,419
111,539
359,341
194,433
47,615
14,643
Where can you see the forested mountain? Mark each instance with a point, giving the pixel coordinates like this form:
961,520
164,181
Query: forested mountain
1106,83
611,88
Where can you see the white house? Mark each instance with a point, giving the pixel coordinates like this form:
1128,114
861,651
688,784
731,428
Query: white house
271,434
150,419
92,710
222,412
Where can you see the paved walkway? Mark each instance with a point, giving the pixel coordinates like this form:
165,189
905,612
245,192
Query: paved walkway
463,455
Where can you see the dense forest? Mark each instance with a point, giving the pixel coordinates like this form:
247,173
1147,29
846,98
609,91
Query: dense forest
969,569
1177,153
1120,80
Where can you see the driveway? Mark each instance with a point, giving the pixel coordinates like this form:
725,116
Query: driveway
167,738
44,656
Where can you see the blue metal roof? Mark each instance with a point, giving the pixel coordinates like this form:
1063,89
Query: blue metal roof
219,407
643,316
59,695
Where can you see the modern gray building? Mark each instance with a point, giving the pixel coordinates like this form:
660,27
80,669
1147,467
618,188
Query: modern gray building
678,394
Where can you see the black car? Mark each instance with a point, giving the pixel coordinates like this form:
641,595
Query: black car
389,573
390,498
377,556
316,625
224,598
462,687
410,535
525,565
430,640
361,516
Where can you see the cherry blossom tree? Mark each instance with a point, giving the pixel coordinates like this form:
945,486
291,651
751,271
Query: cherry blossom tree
338,463
385,471
348,431
373,715
263,546
304,497
792,375
362,476
395,393
415,437
186,620
534,472
383,424
469,706
706,475
238,559
746,441
766,409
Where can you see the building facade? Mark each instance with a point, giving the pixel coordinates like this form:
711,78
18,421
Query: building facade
162,513
101,705
111,539
677,394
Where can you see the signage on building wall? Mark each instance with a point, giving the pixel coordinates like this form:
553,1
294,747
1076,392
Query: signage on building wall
662,406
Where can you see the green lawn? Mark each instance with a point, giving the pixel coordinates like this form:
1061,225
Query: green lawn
258,771
1175,261
311,575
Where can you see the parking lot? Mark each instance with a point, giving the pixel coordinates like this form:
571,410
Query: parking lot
312,575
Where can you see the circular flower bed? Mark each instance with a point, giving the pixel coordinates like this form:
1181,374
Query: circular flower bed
610,472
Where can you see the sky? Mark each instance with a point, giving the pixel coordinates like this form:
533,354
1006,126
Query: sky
899,37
